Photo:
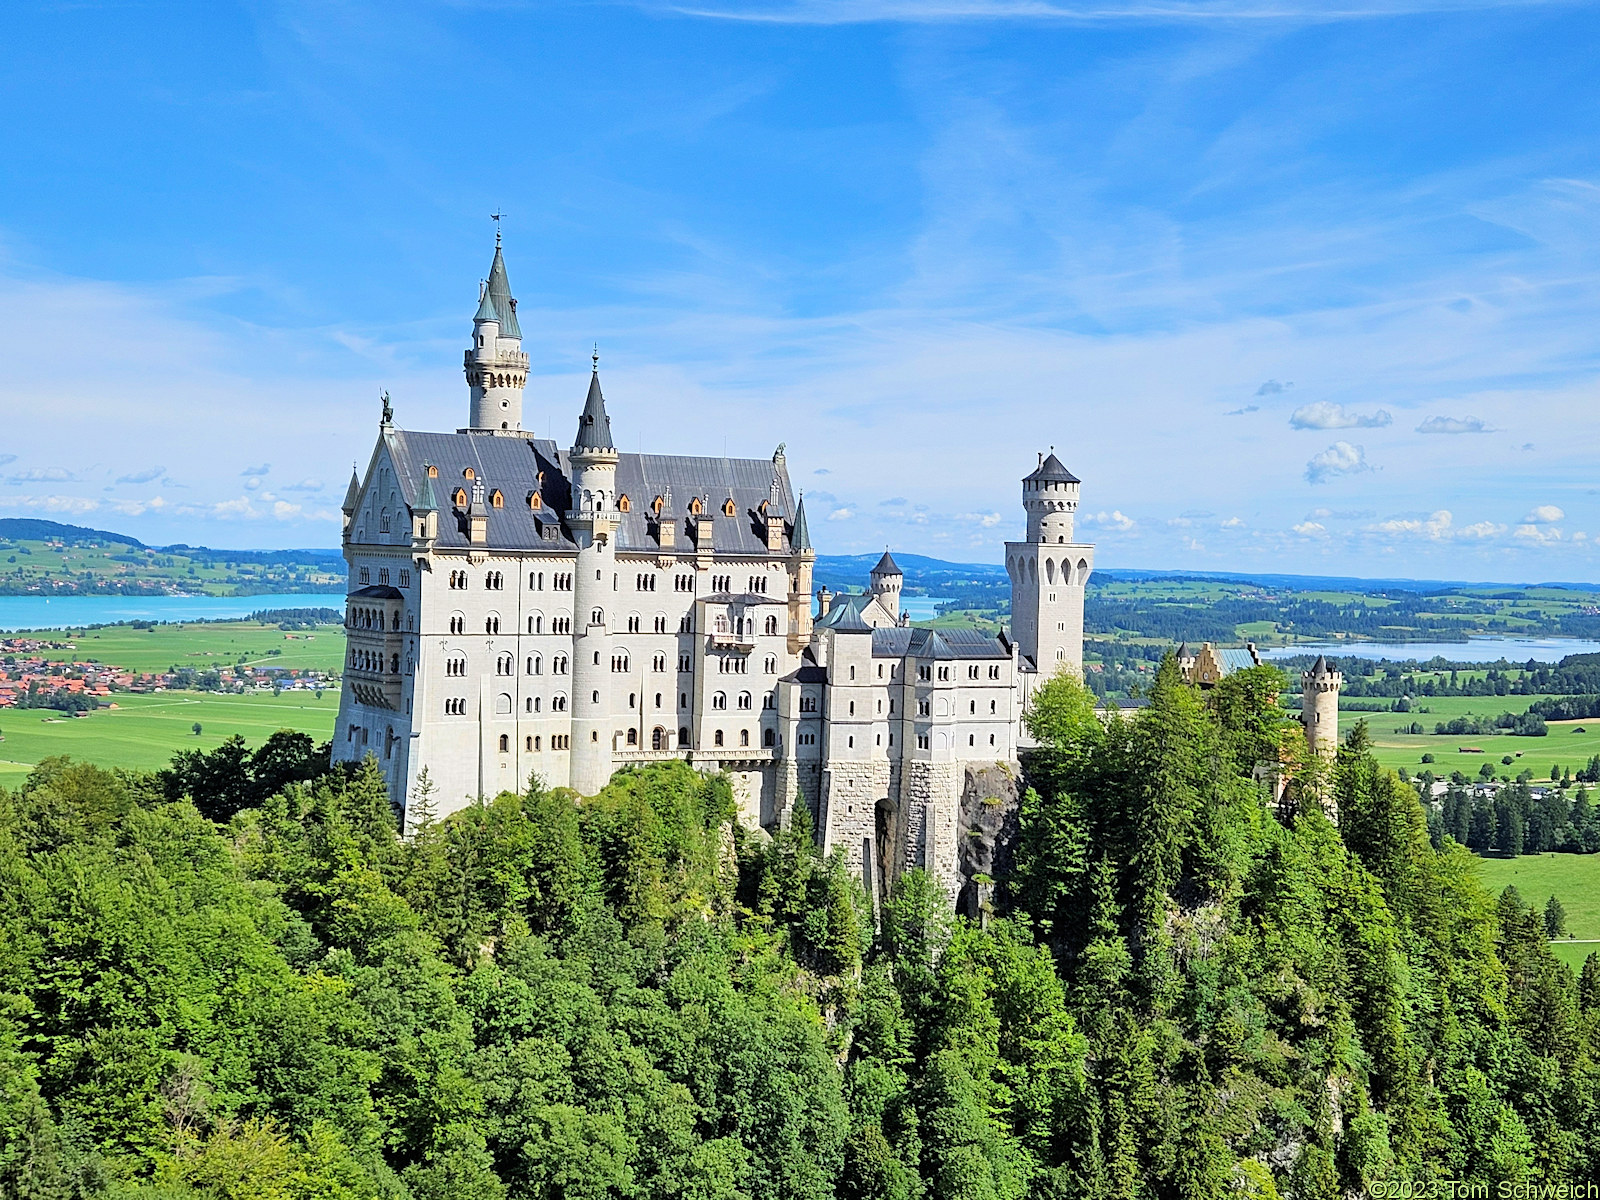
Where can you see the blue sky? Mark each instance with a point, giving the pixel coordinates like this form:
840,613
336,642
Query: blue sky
1292,286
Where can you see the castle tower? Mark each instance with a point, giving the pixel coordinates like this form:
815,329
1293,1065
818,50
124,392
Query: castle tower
1319,711
801,563
496,367
593,519
886,581
1049,571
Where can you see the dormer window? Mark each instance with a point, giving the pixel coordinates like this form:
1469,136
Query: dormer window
729,509
469,474
459,498
433,472
496,500
695,507
624,504
535,501
657,505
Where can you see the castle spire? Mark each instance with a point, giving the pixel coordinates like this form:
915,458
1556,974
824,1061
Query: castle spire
594,426
498,293
801,538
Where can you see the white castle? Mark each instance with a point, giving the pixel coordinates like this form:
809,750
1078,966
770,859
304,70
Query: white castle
516,609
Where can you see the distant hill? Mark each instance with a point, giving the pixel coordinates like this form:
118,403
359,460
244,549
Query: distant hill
30,529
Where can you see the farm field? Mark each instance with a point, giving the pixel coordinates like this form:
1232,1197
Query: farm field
1574,878
144,732
200,645
1563,747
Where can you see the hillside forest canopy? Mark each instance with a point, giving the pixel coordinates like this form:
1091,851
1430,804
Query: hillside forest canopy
241,982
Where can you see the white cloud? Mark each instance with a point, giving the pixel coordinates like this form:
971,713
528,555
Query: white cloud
305,485
1435,526
74,505
1114,519
1480,531
145,476
284,511
840,514
1539,535
986,520
1454,425
263,469
252,482
1544,514
1310,529
43,475
1273,388
1233,523
1341,458
1324,414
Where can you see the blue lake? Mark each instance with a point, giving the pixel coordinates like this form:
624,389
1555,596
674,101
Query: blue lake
922,608
1482,649
67,612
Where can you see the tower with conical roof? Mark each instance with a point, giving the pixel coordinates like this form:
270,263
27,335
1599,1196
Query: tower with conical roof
593,518
1319,707
887,579
1049,571
496,367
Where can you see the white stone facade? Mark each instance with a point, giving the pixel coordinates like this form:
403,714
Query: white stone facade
520,610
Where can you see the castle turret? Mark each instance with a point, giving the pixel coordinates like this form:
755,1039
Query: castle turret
496,367
1319,709
886,581
352,499
1049,571
800,568
593,519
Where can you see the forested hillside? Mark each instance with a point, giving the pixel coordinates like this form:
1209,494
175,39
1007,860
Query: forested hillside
1183,990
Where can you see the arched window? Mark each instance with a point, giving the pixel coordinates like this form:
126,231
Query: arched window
772,625
624,504
458,623
716,738
535,664
719,700
504,665
744,737
744,699
633,737
683,734
496,500
502,704
505,743
597,617
383,521
459,497
658,738
770,664
491,623
558,702
729,508
768,738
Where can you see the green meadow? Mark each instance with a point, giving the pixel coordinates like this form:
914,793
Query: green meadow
200,645
1573,878
144,731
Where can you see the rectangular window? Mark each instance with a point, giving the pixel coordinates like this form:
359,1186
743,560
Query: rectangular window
383,574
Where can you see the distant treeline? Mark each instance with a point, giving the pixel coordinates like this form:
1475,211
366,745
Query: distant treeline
298,618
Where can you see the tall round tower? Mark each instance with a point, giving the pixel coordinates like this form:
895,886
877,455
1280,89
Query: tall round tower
496,367
887,579
1319,710
593,518
1049,571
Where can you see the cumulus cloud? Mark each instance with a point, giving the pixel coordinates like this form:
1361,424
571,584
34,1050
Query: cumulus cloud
74,505
1454,425
1273,388
1538,535
1310,529
252,482
1324,414
1115,519
1544,514
1239,412
284,511
261,470
985,520
1436,525
1233,523
143,476
840,514
1341,458
1480,530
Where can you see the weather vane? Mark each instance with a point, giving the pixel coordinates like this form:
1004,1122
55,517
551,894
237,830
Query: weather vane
596,357
495,217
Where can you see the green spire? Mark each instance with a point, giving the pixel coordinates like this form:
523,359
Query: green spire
594,426
801,538
426,501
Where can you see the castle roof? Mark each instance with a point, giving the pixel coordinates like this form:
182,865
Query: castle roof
426,500
352,494
519,467
594,426
886,566
498,294
802,532
901,641
1321,666
1054,470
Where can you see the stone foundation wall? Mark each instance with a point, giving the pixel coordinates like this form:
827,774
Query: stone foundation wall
930,794
850,793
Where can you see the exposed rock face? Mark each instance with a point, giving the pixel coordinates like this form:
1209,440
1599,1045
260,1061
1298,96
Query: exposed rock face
986,832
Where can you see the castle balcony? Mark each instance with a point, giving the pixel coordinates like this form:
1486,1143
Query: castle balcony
375,689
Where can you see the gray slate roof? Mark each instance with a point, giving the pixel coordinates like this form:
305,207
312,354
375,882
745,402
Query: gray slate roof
886,566
901,641
594,426
498,294
1054,470
513,465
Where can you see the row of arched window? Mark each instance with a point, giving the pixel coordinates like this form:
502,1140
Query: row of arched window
1066,573
361,617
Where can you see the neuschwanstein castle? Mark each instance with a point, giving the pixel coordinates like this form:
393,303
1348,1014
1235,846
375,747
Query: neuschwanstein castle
518,608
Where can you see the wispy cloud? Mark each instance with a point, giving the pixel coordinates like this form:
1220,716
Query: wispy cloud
1272,388
1239,412
43,475
1114,520
932,12
1326,415
144,476
1341,458
1454,425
